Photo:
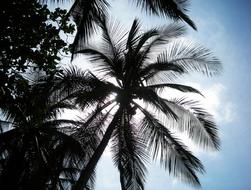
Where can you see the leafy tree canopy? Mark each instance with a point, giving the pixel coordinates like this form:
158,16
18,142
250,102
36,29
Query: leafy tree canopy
30,39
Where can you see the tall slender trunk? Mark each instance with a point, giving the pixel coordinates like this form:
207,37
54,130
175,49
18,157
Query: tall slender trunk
87,171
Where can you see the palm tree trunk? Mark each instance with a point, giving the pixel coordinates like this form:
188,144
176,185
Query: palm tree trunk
122,181
87,171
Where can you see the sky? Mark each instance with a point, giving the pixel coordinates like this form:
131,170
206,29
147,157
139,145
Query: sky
223,27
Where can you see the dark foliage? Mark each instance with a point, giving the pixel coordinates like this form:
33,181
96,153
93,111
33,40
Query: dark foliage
36,152
30,40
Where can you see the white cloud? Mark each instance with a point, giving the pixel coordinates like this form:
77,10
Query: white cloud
216,102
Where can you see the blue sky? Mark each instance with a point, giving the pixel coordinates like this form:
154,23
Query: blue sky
224,27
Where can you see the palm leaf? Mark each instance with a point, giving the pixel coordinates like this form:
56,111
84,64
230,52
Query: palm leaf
113,36
164,71
179,87
191,57
107,63
133,35
175,156
86,15
194,120
173,9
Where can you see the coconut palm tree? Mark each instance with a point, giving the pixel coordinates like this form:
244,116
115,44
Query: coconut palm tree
87,13
126,95
35,150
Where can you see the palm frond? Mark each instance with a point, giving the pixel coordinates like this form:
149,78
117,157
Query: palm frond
191,57
163,71
99,94
58,107
106,62
179,87
170,8
133,35
173,154
172,31
72,78
86,15
113,35
194,120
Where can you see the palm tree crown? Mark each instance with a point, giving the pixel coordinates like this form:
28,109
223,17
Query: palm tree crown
35,152
131,75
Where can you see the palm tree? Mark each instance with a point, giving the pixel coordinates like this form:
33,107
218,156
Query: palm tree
35,150
131,111
86,14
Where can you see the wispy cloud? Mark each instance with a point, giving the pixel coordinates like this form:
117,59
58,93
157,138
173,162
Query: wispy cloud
216,101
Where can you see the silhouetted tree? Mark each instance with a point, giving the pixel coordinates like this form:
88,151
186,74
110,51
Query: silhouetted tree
36,152
136,118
